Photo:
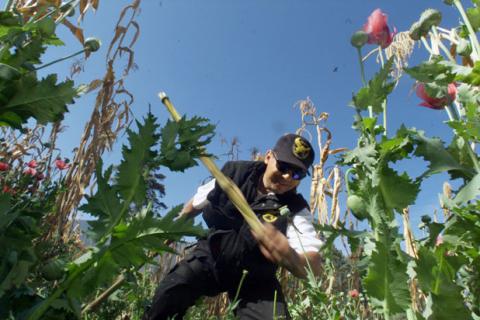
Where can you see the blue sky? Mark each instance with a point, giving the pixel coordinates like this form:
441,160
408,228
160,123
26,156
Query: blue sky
244,64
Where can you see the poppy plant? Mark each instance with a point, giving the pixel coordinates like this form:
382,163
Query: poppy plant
436,103
61,164
32,164
378,30
354,293
7,189
30,171
4,166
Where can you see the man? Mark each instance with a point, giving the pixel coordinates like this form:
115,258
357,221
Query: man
218,262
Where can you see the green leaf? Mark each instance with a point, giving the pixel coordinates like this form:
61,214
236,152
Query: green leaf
366,155
4,208
398,191
184,141
377,90
434,70
473,15
128,248
11,119
387,281
28,55
469,127
436,276
332,233
8,72
43,100
138,160
396,148
433,151
105,205
473,77
468,192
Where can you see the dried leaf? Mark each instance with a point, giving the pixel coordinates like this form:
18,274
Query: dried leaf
137,33
119,31
83,8
95,4
77,32
338,150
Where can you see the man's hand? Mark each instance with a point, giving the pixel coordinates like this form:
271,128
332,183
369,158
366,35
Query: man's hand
275,247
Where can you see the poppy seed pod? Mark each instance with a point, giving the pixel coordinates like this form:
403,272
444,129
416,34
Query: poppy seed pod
420,28
68,7
429,18
416,32
92,44
464,48
359,39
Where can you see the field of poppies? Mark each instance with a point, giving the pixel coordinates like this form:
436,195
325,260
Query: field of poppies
47,270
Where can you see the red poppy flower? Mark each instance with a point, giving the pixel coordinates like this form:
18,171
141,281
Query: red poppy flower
61,164
32,164
378,30
436,103
354,293
30,172
7,189
4,166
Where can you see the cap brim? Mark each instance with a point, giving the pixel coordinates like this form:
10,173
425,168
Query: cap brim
291,160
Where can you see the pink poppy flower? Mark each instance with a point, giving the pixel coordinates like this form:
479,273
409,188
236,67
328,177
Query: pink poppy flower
439,240
4,166
354,293
436,103
378,30
61,164
32,164
30,171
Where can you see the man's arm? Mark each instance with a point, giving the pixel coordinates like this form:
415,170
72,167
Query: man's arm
189,211
275,247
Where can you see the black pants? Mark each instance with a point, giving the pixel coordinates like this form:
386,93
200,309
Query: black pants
196,276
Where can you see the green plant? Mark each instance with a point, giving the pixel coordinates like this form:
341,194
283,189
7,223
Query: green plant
125,230
445,273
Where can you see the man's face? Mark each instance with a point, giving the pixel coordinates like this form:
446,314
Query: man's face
276,181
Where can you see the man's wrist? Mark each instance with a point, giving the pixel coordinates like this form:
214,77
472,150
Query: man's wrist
295,264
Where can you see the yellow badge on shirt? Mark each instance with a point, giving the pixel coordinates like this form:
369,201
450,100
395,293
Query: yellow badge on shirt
268,217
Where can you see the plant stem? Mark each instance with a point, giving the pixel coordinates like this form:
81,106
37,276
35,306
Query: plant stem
442,46
347,179
275,305
66,13
384,102
244,275
362,73
105,294
60,60
473,156
427,46
44,305
471,32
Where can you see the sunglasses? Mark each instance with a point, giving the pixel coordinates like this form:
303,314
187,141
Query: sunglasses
295,172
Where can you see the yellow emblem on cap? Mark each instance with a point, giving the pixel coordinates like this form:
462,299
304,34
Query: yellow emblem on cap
300,148
268,217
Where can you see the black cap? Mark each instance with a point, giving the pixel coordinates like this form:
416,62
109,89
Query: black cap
295,150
